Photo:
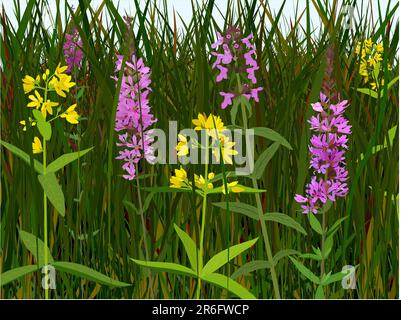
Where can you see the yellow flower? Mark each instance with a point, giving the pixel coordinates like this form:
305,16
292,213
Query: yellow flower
36,101
182,146
28,83
46,74
180,179
71,115
37,145
227,148
232,187
61,84
379,47
23,123
369,43
47,107
60,70
377,57
200,181
212,124
374,84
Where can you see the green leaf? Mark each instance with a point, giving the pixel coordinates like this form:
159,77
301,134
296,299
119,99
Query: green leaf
65,159
311,256
16,273
228,284
53,191
264,159
284,253
368,92
245,189
389,85
333,278
328,245
38,115
36,246
239,207
23,156
190,248
234,110
271,135
88,273
250,267
167,267
326,207
319,292
315,224
333,229
305,271
285,220
223,257
45,129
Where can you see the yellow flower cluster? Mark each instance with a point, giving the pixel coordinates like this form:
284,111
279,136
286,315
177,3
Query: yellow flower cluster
370,60
58,82
180,181
214,127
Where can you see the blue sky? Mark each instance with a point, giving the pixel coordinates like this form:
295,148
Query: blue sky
183,7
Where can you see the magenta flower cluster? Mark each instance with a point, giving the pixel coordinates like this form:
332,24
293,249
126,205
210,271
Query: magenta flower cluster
134,116
327,149
236,57
72,50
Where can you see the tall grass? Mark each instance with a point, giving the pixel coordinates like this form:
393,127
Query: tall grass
102,226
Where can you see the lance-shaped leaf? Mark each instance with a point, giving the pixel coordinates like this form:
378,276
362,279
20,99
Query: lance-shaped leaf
53,191
250,267
36,246
45,129
88,273
16,273
65,159
284,219
271,135
166,267
264,159
315,224
225,256
228,284
190,248
305,271
23,156
239,207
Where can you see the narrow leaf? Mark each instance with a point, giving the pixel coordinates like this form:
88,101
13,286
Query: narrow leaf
285,220
271,135
229,284
35,246
263,160
16,273
23,156
226,255
65,159
88,273
239,207
250,267
53,191
167,267
190,247
315,224
305,271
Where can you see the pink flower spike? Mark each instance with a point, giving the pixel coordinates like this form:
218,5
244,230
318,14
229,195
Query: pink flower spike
223,73
317,107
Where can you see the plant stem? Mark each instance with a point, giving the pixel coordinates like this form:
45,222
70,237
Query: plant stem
198,289
260,208
143,229
46,258
322,271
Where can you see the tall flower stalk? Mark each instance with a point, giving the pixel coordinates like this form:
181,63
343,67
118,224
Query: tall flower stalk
133,120
236,63
327,149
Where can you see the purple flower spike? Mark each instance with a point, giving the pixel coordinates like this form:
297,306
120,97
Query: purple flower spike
327,149
236,57
72,50
133,115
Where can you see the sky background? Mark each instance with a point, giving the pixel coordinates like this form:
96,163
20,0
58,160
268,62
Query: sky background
183,7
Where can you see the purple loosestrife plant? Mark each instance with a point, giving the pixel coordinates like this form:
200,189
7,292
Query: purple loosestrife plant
235,59
327,149
72,50
134,116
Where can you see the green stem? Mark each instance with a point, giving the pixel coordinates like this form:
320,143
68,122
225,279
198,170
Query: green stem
143,229
198,289
269,254
46,258
322,267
